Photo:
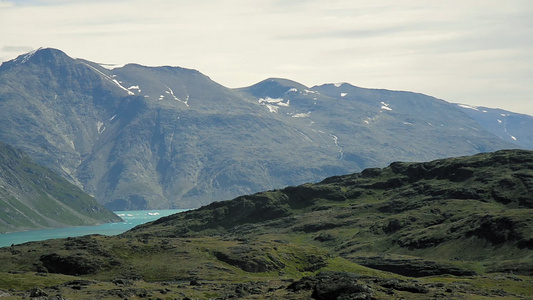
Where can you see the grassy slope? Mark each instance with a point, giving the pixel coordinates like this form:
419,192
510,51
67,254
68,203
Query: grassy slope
33,197
447,229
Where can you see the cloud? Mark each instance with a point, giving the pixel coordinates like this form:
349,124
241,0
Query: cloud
17,49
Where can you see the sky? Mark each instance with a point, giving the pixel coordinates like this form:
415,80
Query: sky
476,52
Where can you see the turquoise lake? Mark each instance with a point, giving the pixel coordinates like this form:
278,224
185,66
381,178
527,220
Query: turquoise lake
131,219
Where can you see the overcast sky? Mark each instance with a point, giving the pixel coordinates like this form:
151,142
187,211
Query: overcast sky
477,52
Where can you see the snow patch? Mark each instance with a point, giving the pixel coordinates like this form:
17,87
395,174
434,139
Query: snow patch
336,141
272,108
270,100
512,137
292,90
27,56
171,92
120,85
100,126
338,84
468,106
385,106
500,121
273,104
284,104
113,117
111,80
344,94
302,115
135,87
111,66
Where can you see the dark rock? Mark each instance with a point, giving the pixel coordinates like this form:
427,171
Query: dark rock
37,292
393,225
401,285
333,285
371,172
122,282
69,265
498,230
314,227
194,282
249,260
341,288
324,237
412,267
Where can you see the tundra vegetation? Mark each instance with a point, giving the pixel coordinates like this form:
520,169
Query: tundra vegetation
457,228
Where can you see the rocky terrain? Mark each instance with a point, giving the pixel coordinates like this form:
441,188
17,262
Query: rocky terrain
140,137
457,228
33,197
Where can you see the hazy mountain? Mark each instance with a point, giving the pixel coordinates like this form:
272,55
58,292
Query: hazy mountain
33,197
161,137
509,126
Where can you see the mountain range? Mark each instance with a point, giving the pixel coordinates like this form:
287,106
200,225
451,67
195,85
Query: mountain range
138,137
33,197
509,126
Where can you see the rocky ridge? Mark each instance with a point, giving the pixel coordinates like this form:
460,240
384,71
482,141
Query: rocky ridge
452,228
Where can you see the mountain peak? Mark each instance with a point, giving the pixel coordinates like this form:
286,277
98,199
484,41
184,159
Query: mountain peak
25,57
273,87
40,55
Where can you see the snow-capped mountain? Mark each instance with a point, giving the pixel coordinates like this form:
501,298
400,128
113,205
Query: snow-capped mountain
162,137
509,126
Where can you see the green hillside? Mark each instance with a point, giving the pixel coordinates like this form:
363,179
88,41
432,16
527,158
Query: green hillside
458,228
33,197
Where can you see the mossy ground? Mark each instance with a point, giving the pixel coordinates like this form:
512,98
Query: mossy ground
411,231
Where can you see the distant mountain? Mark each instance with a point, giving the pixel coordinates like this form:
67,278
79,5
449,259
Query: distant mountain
509,126
140,137
33,197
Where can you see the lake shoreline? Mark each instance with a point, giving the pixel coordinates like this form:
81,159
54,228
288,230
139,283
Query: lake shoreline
130,220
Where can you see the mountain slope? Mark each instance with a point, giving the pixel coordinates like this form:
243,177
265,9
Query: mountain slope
373,128
509,126
476,209
141,137
452,228
33,197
